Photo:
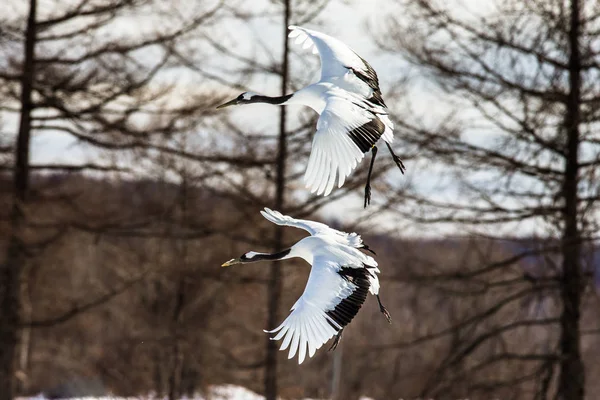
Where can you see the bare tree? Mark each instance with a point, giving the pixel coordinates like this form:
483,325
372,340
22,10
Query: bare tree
522,74
14,264
100,92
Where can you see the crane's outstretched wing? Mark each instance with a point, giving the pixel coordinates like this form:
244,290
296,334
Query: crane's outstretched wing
314,228
336,57
332,297
345,131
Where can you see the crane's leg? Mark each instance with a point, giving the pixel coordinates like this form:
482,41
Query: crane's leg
368,187
338,337
397,159
383,310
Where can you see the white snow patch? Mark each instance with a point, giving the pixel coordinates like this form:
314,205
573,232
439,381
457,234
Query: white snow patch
222,392
232,392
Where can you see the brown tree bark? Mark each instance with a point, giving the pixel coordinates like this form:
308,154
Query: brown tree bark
11,269
572,377
275,283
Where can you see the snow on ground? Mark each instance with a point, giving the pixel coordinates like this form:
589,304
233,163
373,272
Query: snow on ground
223,392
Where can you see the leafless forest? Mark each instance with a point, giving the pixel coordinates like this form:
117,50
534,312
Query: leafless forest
110,252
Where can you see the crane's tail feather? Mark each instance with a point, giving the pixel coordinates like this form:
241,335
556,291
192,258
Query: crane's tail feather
304,332
388,133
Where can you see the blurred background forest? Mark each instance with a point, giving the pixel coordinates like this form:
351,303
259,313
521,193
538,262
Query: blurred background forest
123,190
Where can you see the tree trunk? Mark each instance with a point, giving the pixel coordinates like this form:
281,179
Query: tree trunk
274,288
25,334
176,353
11,270
336,373
572,378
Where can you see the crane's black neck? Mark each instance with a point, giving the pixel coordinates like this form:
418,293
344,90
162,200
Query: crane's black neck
271,100
253,256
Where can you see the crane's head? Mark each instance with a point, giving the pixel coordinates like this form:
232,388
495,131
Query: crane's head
244,98
253,256
249,257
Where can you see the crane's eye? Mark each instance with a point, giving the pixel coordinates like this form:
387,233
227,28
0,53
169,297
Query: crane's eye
246,96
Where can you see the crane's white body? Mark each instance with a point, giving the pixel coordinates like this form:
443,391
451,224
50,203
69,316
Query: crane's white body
313,320
343,99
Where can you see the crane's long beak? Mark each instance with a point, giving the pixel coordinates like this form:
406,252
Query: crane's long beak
231,262
229,103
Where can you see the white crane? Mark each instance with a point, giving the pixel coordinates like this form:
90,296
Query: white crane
353,116
340,279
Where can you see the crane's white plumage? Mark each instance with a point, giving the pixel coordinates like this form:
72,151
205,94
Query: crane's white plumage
333,151
353,116
352,99
340,279
313,320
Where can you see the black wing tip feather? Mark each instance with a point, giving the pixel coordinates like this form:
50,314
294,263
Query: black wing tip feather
377,99
369,76
369,73
367,248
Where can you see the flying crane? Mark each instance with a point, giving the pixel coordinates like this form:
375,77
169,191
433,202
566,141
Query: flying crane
353,115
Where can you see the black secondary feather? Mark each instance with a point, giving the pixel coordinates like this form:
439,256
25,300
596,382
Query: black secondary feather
347,309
